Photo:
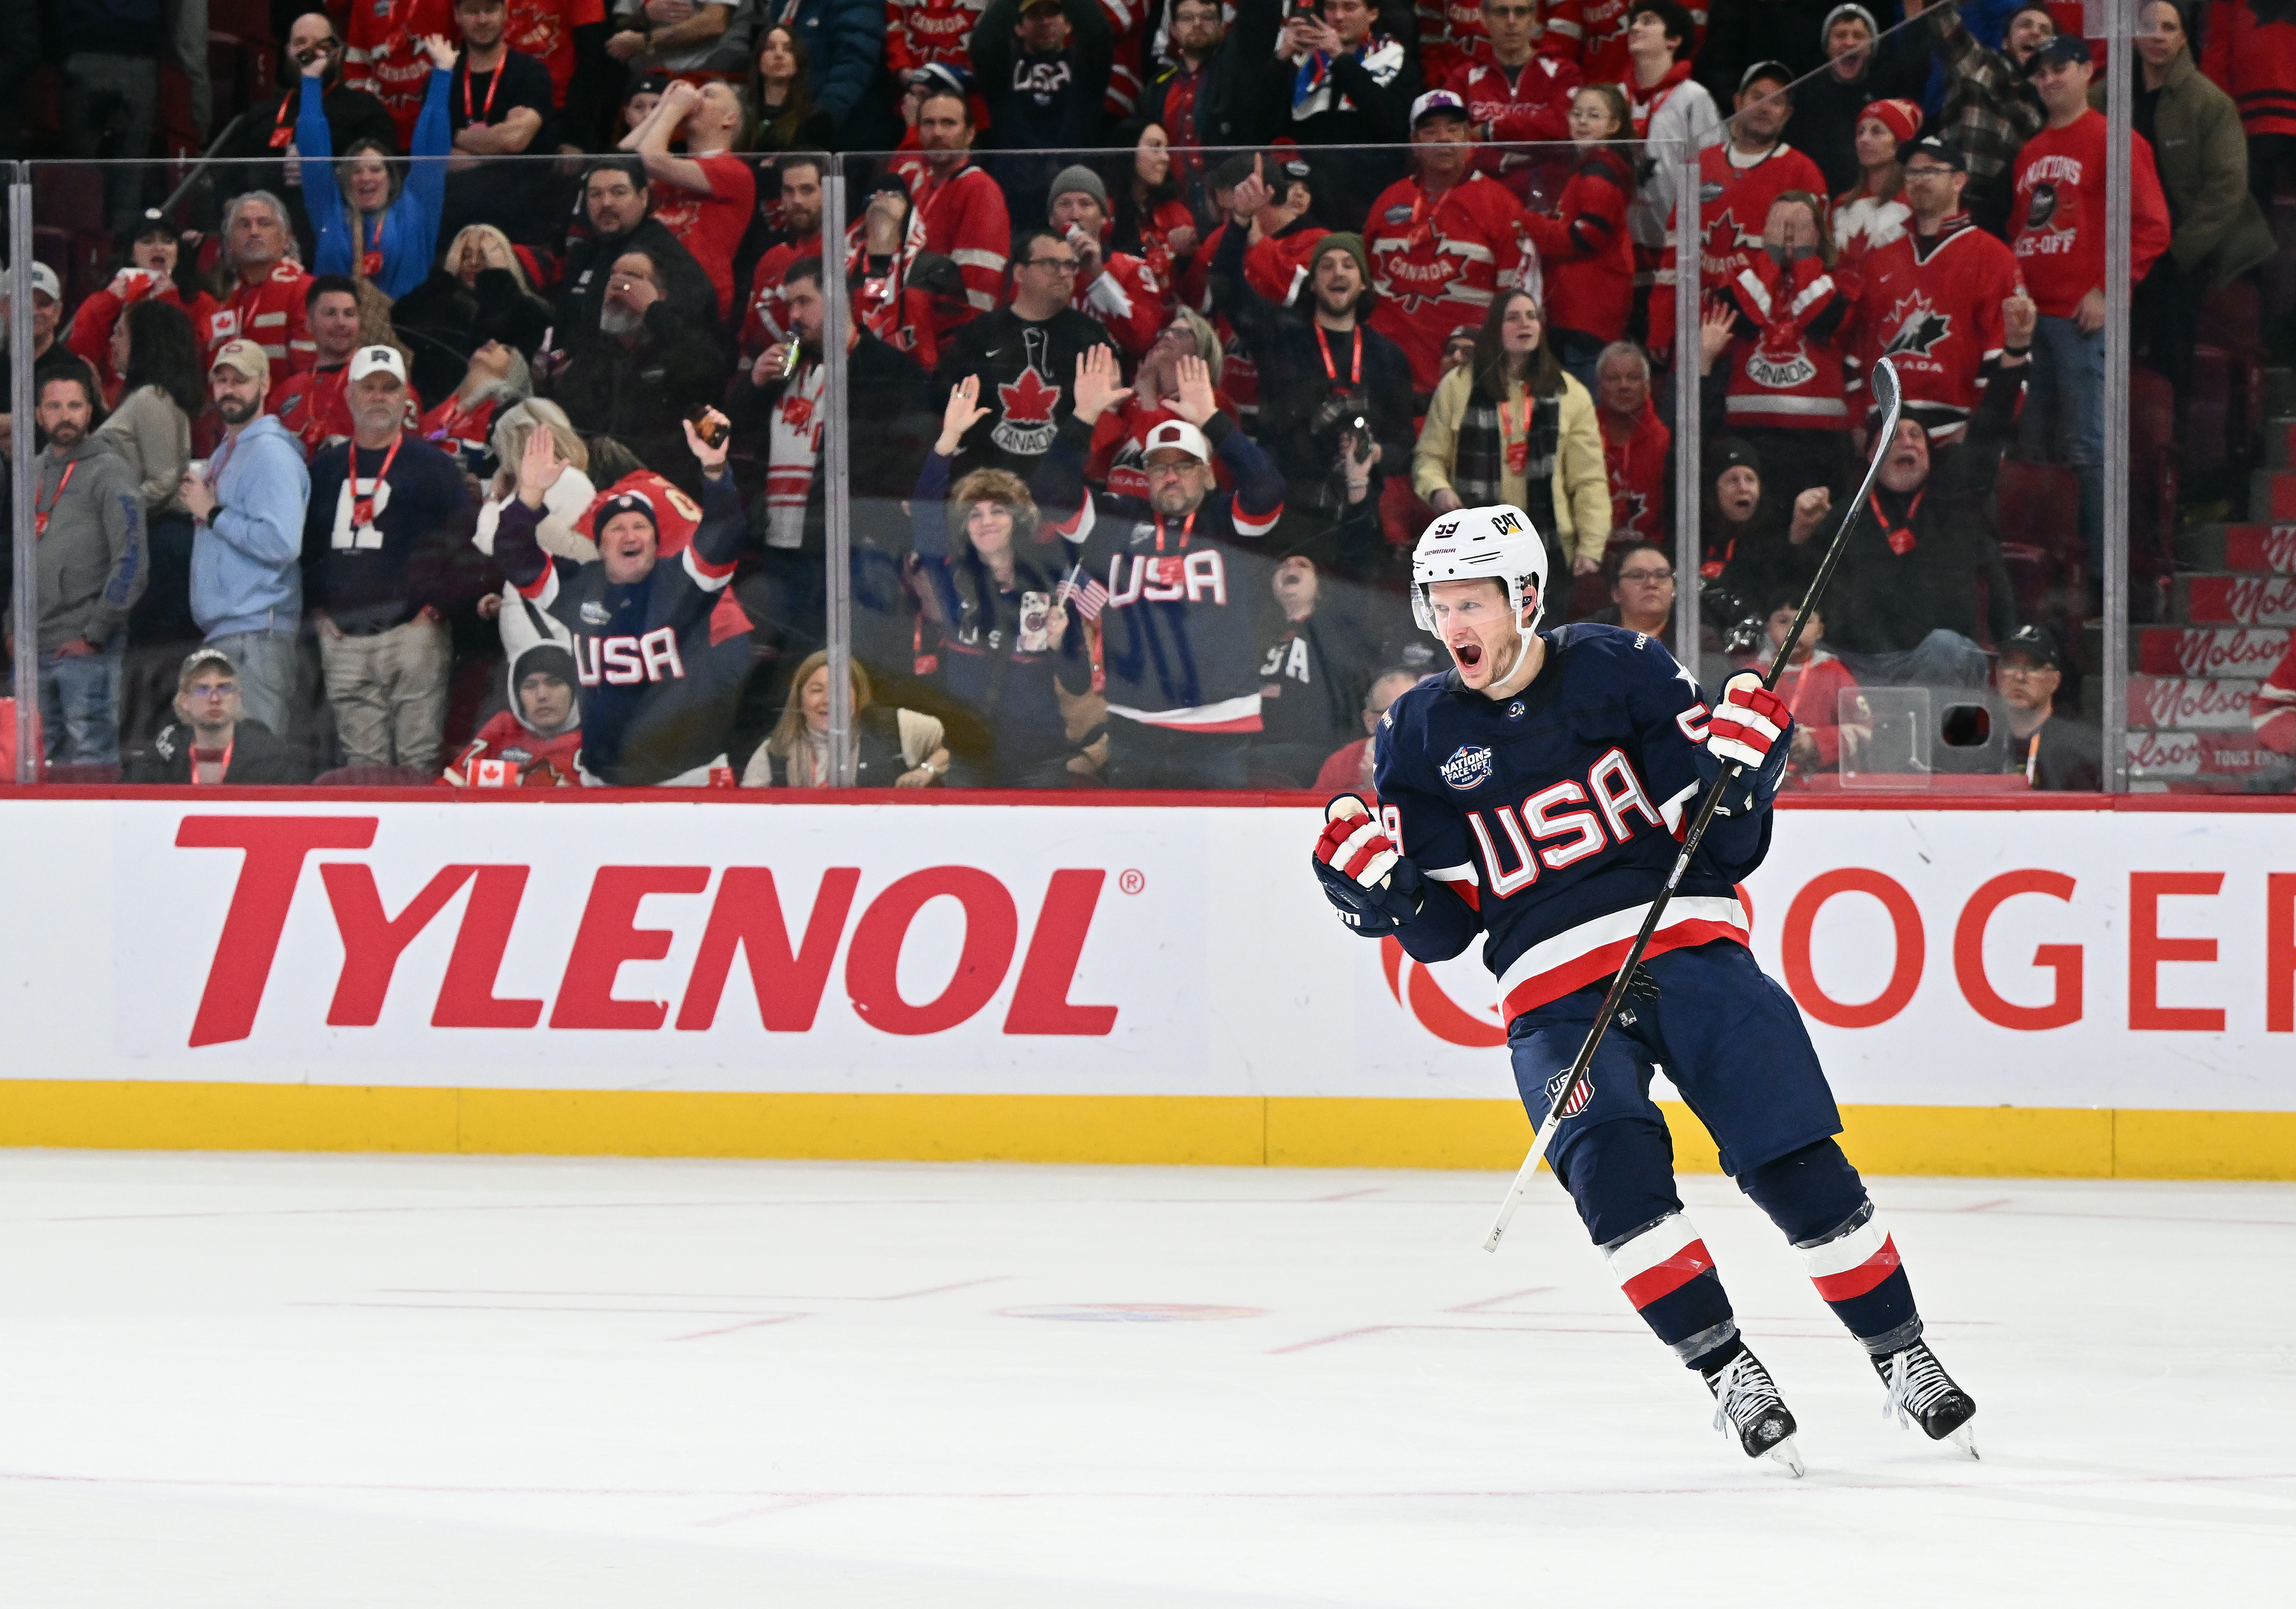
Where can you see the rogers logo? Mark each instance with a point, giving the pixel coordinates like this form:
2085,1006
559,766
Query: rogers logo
1421,993
788,971
2188,701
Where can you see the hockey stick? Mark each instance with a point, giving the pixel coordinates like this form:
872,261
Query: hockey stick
1884,381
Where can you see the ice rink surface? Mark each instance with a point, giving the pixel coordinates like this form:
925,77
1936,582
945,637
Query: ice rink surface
256,1380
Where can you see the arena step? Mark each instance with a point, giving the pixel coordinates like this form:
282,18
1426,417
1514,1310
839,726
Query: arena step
2254,549
2280,443
2221,599
2207,651
2272,495
2191,704
2177,756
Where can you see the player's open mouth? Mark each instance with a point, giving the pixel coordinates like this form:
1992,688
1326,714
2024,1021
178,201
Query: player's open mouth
1469,655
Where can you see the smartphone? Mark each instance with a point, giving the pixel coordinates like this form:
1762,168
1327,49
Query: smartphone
712,429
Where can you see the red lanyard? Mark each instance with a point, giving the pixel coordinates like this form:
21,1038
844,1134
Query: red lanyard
1712,568
224,771
1518,453
40,515
363,508
283,132
1900,538
1186,530
1355,374
371,257
484,113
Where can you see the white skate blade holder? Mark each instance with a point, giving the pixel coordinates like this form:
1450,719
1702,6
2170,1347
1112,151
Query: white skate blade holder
1787,1457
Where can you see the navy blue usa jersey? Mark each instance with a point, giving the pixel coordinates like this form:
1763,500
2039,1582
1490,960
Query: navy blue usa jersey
1554,817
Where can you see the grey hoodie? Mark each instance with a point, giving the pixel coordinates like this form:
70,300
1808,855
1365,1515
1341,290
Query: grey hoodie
91,558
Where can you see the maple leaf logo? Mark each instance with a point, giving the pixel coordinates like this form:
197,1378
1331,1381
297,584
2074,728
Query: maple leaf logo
1029,401
1920,327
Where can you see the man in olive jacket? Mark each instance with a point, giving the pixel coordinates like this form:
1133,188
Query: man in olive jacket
2218,230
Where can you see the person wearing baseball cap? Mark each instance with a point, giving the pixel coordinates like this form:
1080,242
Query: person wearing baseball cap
49,355
1168,577
376,501
2054,752
213,739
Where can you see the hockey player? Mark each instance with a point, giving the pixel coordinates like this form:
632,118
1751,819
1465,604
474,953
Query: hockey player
1532,795
660,649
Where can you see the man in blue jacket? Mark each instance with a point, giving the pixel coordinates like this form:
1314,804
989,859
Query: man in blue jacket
247,550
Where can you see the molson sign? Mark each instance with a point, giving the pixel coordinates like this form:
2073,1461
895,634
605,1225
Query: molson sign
2069,956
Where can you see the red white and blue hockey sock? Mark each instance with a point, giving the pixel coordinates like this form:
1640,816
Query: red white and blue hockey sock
1667,1272
1856,1270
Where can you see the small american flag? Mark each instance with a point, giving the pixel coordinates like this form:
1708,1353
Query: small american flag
1090,598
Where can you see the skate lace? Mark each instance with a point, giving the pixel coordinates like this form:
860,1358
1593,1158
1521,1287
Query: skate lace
1917,1380
1742,1391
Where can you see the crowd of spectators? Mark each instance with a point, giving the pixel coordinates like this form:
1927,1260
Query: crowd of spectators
1172,325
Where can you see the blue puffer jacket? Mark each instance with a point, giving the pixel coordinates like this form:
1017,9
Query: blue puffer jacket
844,40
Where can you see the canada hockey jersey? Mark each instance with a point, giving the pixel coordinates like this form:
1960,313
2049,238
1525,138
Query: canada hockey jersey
545,30
270,314
1553,818
1533,105
965,221
383,54
1436,262
1126,300
1585,253
1175,598
662,660
1734,193
1786,367
921,33
1932,306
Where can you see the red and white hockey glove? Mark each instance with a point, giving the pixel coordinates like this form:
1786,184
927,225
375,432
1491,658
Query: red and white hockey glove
1749,722
1372,886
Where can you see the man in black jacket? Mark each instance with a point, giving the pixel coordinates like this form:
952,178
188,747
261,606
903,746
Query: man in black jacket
616,203
265,137
1340,78
1025,354
1208,99
1322,371
644,367
1902,606
1042,66
212,740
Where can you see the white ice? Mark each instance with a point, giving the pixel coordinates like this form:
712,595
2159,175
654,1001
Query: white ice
255,1381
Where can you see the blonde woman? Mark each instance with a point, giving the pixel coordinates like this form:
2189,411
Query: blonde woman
895,748
1513,427
479,292
563,504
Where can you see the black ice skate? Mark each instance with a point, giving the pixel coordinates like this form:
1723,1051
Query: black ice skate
1920,1392
1746,1401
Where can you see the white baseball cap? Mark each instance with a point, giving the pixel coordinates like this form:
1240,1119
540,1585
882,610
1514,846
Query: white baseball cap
369,360
1439,100
1178,433
44,282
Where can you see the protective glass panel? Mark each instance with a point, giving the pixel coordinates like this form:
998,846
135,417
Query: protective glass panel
1884,736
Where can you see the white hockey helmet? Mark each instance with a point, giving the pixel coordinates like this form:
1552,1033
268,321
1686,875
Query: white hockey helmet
1495,544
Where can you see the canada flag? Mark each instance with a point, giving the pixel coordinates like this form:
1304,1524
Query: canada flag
1027,427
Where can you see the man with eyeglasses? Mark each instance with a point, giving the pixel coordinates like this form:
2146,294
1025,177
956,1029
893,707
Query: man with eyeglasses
2054,752
1514,97
213,739
1933,298
1024,354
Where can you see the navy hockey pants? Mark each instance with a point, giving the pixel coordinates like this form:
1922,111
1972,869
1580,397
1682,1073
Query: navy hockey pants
1731,1042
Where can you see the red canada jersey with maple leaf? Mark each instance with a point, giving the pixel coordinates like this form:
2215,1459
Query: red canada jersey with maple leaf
1533,105
545,30
920,33
1437,261
1933,307
1734,203
269,313
966,221
383,54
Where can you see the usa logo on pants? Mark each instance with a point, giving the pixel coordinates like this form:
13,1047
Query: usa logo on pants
1578,1097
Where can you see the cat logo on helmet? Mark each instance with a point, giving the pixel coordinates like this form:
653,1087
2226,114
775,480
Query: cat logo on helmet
1507,522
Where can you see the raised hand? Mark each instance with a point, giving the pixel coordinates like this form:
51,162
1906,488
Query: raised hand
1098,384
2018,317
964,412
1715,327
538,467
1197,402
442,51
1810,510
712,459
1251,196
1748,722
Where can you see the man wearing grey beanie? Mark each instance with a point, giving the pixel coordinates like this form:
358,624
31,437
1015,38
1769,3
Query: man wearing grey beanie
1114,288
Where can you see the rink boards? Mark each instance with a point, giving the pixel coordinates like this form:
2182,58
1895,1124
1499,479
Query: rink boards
2090,987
